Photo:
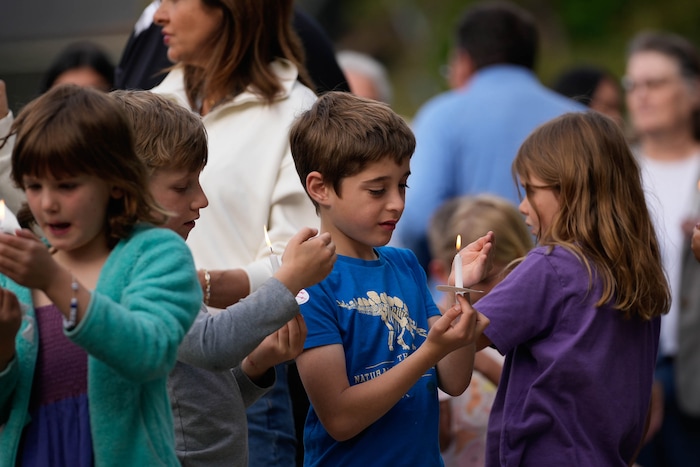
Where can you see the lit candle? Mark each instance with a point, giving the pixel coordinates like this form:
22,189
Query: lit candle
274,259
8,221
457,264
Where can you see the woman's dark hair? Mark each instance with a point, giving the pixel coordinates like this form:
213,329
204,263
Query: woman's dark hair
79,55
580,83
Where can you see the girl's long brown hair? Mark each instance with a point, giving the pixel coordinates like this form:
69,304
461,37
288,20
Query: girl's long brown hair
603,216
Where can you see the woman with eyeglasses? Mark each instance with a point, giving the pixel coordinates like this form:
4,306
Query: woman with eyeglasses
662,86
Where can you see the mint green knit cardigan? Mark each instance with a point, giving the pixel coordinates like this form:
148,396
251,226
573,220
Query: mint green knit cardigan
146,298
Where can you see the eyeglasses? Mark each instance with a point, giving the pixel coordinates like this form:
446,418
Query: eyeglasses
530,188
650,84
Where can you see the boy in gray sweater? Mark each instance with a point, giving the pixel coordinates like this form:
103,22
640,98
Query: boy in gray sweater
226,360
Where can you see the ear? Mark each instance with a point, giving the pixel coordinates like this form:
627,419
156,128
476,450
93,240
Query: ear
461,70
317,189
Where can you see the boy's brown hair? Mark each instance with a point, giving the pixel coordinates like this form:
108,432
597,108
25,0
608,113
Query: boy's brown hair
181,141
342,133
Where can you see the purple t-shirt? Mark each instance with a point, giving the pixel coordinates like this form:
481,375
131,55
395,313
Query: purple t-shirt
577,379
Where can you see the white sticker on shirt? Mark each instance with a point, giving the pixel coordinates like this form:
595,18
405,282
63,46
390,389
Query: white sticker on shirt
302,297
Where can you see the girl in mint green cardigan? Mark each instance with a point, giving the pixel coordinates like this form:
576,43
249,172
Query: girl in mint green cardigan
85,359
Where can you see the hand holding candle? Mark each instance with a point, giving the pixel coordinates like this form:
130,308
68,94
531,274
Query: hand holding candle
476,258
274,259
8,221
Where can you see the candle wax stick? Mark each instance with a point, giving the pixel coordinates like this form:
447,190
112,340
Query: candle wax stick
275,262
457,267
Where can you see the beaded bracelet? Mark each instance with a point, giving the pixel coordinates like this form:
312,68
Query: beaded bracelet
207,287
69,323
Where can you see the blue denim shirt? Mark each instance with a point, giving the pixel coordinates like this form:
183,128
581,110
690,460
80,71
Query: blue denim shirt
466,141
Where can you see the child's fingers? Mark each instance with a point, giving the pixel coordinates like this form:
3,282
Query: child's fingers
467,318
304,234
299,330
447,319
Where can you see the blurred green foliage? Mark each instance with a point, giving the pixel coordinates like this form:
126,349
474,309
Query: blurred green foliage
413,38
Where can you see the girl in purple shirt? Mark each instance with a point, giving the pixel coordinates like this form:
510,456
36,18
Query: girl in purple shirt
578,319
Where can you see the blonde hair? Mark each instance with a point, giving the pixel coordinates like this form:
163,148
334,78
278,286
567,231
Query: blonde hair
166,135
603,217
474,216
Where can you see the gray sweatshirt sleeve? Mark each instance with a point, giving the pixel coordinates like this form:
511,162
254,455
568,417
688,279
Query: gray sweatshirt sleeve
222,340
250,391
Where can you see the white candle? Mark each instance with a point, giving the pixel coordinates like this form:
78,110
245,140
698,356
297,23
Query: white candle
8,221
457,264
275,262
274,259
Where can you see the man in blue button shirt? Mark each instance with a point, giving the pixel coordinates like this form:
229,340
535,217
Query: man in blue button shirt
467,138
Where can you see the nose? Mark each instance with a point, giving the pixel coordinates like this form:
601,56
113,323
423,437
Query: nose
200,200
523,207
160,16
397,201
48,201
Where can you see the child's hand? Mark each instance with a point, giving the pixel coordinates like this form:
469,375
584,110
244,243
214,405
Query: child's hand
695,242
26,260
477,259
308,259
457,327
282,345
10,321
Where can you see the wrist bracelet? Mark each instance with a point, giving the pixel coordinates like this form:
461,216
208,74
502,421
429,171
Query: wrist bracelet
207,287
69,324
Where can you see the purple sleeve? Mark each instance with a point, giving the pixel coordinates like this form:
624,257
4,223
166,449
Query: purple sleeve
524,305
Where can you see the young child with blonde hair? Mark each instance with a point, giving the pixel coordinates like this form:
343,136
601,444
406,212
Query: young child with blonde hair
226,361
464,418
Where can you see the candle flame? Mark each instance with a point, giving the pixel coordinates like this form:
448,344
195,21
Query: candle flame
267,238
698,185
458,243
2,209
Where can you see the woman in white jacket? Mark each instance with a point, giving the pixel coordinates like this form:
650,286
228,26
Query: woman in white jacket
240,66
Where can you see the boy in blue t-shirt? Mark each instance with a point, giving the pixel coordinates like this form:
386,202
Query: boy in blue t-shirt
377,348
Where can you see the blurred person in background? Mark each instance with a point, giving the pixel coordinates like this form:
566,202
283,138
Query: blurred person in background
367,77
144,61
467,138
593,87
81,63
662,84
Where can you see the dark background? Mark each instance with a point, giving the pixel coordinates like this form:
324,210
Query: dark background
411,37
